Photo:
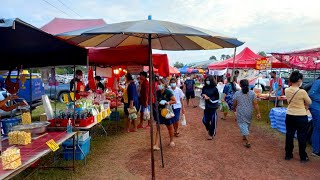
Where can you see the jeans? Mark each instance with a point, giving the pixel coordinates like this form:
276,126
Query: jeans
299,124
316,130
210,121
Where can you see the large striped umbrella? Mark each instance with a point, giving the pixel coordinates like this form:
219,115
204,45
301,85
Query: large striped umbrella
156,34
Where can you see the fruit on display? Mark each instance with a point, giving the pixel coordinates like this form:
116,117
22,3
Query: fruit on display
11,158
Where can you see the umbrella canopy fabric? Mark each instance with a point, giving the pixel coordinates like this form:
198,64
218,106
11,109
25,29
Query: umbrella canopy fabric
173,70
165,36
245,59
184,70
24,44
304,59
275,63
61,25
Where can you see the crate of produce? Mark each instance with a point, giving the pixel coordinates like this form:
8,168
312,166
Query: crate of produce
83,122
68,149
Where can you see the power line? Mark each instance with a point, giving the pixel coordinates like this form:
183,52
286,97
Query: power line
69,8
56,8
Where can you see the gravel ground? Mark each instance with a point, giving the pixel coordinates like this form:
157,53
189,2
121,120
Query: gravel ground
194,157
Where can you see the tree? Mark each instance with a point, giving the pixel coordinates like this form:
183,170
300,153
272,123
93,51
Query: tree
262,53
228,56
213,58
178,64
223,57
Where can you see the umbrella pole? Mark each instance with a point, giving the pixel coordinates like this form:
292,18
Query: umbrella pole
234,59
151,106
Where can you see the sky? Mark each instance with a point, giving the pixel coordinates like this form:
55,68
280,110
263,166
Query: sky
264,25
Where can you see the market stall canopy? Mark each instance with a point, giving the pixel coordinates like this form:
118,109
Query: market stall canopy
245,59
275,63
184,70
24,44
173,70
164,36
61,25
304,59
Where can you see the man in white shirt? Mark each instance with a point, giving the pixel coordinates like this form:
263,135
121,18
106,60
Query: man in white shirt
178,106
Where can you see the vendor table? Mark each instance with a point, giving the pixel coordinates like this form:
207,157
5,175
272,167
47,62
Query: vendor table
34,151
278,119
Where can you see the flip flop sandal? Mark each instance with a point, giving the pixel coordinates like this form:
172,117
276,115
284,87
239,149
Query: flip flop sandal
247,145
176,134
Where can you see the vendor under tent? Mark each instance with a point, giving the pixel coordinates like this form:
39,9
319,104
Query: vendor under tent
304,59
24,44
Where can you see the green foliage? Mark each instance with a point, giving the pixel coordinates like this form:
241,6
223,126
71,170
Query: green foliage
178,64
213,58
262,53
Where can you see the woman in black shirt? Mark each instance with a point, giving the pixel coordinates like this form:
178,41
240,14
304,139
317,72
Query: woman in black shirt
211,95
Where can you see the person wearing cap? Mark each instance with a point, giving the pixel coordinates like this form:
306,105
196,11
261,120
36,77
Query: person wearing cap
276,86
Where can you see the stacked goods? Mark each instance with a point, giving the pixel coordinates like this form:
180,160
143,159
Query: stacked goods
11,158
19,138
26,118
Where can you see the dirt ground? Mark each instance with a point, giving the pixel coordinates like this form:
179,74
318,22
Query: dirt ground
195,157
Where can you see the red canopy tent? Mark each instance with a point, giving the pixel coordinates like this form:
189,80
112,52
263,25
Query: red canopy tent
304,59
60,25
128,56
275,63
245,59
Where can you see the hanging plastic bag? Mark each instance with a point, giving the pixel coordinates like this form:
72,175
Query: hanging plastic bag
167,112
146,114
183,120
202,103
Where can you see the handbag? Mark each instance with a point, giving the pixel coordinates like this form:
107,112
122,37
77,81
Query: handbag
183,120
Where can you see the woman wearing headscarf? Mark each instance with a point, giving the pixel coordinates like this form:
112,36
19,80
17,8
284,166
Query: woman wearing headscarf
210,94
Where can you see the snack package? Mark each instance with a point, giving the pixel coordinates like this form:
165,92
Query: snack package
26,118
11,158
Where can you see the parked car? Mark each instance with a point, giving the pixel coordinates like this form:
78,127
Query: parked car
57,92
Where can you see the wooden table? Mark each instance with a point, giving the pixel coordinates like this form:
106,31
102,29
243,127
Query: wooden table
34,151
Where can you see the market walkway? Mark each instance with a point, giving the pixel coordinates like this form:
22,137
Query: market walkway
194,157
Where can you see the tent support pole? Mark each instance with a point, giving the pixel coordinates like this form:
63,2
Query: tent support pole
234,59
30,72
151,81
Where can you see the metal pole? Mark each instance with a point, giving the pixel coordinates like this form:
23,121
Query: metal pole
234,59
30,92
74,95
151,106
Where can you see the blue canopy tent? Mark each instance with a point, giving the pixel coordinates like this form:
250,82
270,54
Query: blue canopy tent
26,45
184,70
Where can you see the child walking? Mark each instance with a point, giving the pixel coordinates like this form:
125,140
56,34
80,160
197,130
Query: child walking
244,102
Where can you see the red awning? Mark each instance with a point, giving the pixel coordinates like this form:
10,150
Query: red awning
245,59
128,56
305,60
60,25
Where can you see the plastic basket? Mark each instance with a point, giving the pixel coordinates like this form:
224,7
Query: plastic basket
7,124
68,149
